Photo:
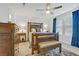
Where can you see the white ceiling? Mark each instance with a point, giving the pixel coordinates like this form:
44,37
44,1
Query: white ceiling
29,10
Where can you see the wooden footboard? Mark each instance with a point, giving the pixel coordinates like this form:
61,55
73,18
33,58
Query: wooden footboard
42,37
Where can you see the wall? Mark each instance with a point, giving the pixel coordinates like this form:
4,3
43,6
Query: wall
3,13
20,20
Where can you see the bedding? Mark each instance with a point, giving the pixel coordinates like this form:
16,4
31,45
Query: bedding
48,43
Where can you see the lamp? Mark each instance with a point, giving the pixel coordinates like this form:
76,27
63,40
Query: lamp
10,17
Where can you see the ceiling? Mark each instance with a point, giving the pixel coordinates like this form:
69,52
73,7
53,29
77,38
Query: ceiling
29,10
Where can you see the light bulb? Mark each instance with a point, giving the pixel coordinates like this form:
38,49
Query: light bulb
47,12
9,20
10,16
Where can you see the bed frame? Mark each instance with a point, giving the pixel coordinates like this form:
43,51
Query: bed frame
42,37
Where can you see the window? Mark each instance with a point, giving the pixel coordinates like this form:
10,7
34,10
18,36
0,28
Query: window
64,25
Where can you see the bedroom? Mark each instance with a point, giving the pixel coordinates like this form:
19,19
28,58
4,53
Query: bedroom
22,13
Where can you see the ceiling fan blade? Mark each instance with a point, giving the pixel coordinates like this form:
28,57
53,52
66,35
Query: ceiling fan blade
39,9
58,7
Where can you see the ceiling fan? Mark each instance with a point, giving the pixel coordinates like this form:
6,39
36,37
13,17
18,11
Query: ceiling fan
49,9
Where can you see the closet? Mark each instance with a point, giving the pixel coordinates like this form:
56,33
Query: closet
7,39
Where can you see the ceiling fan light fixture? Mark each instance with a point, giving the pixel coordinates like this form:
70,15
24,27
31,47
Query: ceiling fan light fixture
48,11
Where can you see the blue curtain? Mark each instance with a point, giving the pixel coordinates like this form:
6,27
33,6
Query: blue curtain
54,25
75,35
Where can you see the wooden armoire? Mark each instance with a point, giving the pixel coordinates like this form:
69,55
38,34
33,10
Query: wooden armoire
7,39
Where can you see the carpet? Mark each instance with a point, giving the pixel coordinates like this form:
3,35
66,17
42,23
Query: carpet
25,50
55,52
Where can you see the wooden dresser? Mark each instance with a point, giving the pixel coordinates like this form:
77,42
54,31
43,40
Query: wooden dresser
7,39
